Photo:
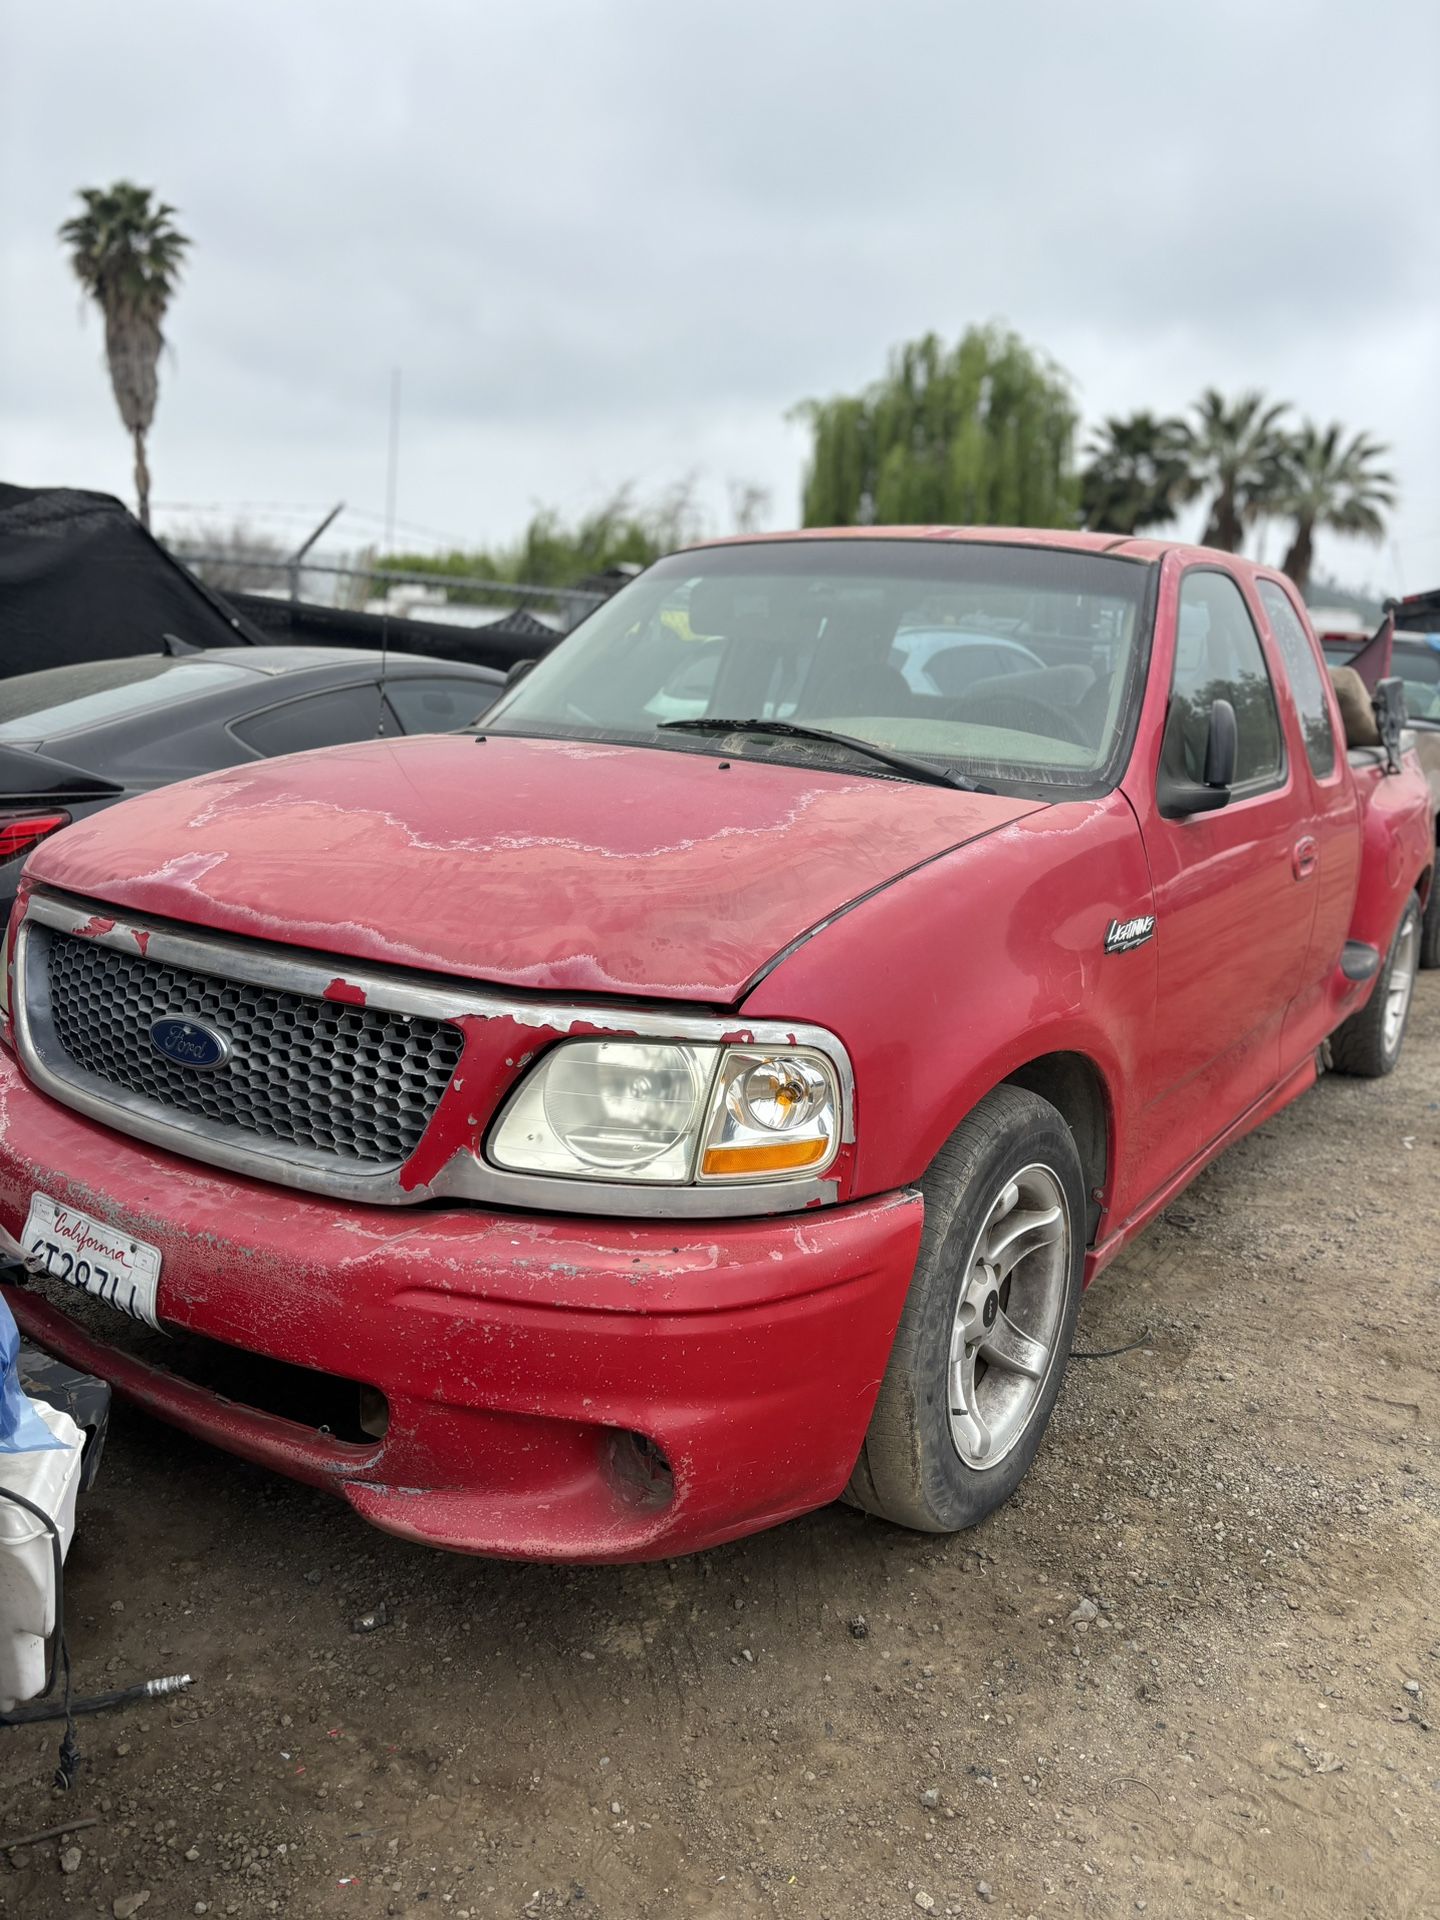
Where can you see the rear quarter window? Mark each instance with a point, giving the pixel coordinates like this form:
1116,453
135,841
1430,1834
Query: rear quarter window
332,719
439,705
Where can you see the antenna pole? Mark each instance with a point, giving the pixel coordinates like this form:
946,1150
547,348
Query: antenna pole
392,465
392,474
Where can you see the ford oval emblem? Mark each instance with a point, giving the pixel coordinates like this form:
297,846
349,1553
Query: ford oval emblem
187,1043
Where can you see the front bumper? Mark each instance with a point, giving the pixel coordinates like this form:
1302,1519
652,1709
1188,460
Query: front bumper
518,1355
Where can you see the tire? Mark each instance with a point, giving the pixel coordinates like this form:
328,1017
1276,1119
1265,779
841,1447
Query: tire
1370,1041
923,1465
1430,927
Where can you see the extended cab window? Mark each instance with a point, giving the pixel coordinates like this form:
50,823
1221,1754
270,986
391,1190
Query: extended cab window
1218,657
1305,681
331,719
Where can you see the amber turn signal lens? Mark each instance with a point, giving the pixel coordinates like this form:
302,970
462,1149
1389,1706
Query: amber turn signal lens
777,1156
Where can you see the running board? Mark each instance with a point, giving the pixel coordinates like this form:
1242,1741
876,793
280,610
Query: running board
1358,961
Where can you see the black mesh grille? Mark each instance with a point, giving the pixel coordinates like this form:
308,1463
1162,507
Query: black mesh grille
355,1083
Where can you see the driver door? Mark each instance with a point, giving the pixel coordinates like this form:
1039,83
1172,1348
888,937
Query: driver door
1233,902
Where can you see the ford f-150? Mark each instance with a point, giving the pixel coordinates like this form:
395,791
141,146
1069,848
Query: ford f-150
702,1090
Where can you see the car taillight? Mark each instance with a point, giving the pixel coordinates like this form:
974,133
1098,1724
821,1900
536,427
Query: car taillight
19,835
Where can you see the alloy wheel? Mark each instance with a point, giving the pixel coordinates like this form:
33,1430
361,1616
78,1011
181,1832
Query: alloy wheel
1008,1316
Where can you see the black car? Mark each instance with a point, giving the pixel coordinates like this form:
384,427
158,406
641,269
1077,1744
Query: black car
77,738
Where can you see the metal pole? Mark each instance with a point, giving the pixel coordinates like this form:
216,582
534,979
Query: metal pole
293,563
393,463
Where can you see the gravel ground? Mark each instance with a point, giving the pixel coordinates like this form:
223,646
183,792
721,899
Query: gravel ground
1193,1668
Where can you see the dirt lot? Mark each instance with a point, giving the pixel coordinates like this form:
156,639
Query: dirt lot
837,1719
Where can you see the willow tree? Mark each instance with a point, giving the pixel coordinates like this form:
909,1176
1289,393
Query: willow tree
127,255
978,434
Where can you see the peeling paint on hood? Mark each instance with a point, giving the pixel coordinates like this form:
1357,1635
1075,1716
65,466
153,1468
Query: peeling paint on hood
544,865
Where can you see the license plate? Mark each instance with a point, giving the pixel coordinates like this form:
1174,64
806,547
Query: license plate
80,1252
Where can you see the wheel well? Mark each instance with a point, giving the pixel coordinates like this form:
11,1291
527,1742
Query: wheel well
1073,1085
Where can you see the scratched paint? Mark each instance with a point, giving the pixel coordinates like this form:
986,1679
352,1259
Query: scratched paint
493,1059
511,1350
528,863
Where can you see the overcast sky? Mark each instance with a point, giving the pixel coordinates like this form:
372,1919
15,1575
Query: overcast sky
616,242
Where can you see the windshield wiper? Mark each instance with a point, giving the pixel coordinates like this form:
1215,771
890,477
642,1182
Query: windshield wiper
925,770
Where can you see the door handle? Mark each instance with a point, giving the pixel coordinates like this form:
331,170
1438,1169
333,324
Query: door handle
1305,858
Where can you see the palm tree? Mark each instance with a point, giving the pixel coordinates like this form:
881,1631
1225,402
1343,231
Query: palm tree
1137,474
127,255
1334,483
1237,449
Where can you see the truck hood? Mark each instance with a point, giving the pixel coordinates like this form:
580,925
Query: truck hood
542,865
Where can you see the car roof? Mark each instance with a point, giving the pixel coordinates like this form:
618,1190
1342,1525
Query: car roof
296,659
247,679
1063,539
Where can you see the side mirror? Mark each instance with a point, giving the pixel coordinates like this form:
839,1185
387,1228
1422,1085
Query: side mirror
1390,717
517,672
1176,793
1222,744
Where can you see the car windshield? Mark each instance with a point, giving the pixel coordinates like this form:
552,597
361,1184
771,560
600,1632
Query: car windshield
60,700
1418,664
1013,665
1415,658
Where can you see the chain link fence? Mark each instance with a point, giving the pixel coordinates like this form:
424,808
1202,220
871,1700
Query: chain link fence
462,600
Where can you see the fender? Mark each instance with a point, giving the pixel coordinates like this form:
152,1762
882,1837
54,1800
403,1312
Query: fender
1398,829
976,966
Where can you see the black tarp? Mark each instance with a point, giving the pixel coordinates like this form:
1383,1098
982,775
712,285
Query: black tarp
499,643
81,579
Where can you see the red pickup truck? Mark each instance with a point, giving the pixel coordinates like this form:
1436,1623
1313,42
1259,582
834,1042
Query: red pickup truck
702,1090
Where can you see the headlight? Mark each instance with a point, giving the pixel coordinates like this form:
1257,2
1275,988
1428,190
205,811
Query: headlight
607,1110
671,1113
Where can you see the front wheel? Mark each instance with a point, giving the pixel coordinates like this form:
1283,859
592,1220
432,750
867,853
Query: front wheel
985,1335
1369,1042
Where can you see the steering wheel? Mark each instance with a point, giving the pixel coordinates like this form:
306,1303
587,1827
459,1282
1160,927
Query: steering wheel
1021,712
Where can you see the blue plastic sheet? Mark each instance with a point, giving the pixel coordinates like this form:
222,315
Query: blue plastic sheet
21,1428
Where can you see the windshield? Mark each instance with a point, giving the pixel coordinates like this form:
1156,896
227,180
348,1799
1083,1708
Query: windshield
1013,665
1418,664
58,700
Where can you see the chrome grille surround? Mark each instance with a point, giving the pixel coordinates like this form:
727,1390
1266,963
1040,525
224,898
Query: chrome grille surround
226,961
351,1083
